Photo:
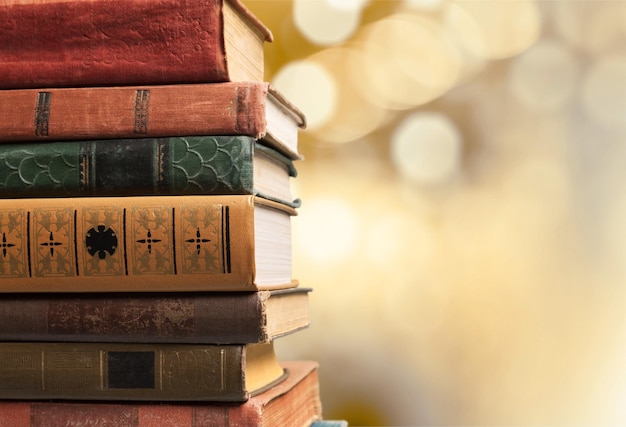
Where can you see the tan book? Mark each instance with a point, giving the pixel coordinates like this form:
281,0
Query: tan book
47,43
166,372
253,109
151,243
294,402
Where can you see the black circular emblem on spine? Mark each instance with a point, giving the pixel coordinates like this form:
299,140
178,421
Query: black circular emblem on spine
100,241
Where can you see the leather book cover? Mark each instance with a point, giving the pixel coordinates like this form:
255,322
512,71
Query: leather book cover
142,372
125,42
202,165
294,402
150,243
199,318
235,108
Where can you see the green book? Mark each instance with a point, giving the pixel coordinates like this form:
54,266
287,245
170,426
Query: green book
137,372
194,165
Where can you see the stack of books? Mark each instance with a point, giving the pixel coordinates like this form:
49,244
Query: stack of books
145,219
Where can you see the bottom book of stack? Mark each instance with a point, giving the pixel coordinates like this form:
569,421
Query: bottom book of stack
295,401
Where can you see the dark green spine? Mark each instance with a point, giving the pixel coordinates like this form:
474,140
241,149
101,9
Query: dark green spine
125,167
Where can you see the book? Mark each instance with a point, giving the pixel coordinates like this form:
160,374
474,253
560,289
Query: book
253,109
294,402
219,165
102,42
145,243
183,318
114,371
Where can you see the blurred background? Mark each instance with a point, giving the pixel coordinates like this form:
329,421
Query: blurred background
464,210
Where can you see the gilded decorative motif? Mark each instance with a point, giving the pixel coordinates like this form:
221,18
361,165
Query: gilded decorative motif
102,228
52,240
13,251
203,245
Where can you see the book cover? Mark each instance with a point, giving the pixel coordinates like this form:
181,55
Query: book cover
253,109
125,42
112,371
294,402
219,165
184,318
150,243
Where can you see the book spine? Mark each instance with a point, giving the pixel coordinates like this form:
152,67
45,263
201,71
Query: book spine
218,318
148,166
122,371
293,402
49,414
133,112
85,43
150,243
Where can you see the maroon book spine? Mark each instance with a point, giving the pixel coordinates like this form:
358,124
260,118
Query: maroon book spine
91,43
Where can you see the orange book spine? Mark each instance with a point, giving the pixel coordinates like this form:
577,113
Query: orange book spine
151,243
133,112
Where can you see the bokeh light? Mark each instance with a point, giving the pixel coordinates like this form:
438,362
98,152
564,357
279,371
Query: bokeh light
338,238
348,5
353,117
426,148
545,77
317,97
407,61
327,22
494,29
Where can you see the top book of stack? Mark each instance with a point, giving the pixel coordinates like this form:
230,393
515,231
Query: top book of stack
77,43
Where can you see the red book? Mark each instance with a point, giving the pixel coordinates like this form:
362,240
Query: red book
253,109
293,402
122,42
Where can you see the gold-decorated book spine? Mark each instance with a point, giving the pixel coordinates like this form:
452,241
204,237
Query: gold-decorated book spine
152,243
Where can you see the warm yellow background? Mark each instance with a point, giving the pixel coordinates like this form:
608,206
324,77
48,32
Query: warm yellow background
464,207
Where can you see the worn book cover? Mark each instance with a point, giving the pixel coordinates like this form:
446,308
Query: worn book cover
253,109
124,42
111,371
294,402
198,318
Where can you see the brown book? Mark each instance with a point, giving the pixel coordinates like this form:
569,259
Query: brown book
113,371
125,42
294,402
199,318
151,243
252,109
